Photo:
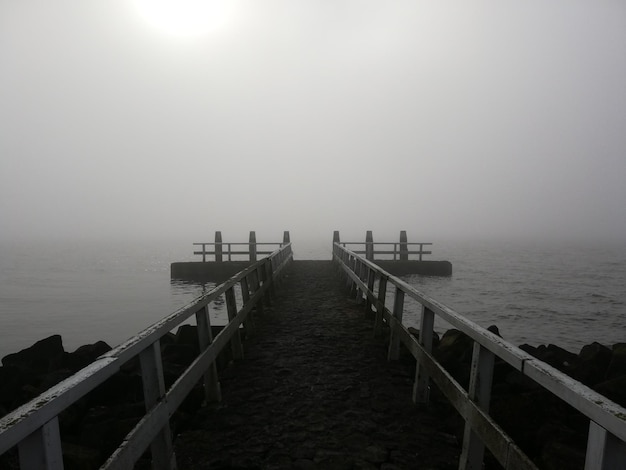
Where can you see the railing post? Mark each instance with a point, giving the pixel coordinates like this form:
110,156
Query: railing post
42,449
270,276
218,246
604,450
252,245
421,386
421,251
359,274
262,273
481,377
163,457
380,306
369,245
351,264
404,248
254,282
394,340
286,238
231,307
204,252
336,237
371,279
248,323
212,389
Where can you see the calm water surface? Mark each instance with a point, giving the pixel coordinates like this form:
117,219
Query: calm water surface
569,295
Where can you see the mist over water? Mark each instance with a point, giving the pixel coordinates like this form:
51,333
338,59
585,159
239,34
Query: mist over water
535,293
124,141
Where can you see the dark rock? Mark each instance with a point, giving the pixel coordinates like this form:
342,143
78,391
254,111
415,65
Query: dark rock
617,366
614,389
495,330
39,356
188,335
77,457
455,354
593,364
557,456
553,355
85,355
416,333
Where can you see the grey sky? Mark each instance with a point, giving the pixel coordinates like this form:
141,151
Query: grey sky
447,119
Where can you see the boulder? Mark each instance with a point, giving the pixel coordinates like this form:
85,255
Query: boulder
614,389
85,355
454,352
553,355
592,365
39,357
617,366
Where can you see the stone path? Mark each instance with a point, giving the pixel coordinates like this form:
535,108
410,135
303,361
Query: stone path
315,391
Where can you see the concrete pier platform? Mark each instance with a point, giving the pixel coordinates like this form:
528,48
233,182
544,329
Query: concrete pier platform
315,391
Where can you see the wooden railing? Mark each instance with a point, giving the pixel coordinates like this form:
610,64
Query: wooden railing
400,250
606,445
34,427
225,249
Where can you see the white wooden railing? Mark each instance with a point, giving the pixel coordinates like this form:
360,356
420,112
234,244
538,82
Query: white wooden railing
34,427
606,446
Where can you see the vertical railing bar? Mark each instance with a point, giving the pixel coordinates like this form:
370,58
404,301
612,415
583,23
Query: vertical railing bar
162,451
254,281
380,306
479,390
265,280
42,449
394,341
231,307
248,323
212,389
604,450
371,279
421,386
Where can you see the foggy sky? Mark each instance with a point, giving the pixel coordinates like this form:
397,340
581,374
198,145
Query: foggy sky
446,119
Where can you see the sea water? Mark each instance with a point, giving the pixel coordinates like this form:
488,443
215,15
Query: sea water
536,293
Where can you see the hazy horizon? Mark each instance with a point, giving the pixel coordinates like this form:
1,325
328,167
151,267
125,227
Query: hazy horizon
490,120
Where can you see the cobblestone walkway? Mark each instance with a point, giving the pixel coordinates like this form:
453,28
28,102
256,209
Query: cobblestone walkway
315,391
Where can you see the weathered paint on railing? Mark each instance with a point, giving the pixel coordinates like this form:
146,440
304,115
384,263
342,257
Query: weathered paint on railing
34,426
606,446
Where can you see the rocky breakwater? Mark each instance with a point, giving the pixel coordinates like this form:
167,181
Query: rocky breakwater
552,433
93,427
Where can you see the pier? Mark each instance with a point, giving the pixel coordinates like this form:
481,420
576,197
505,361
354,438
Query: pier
320,372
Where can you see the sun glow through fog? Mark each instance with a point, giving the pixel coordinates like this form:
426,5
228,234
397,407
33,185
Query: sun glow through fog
185,17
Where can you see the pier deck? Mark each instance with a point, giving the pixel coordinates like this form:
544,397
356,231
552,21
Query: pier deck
315,390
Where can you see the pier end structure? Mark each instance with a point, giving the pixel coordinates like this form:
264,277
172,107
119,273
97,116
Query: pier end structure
218,263
398,258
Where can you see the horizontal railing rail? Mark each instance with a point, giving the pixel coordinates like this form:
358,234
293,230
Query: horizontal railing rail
224,249
400,249
606,444
34,427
